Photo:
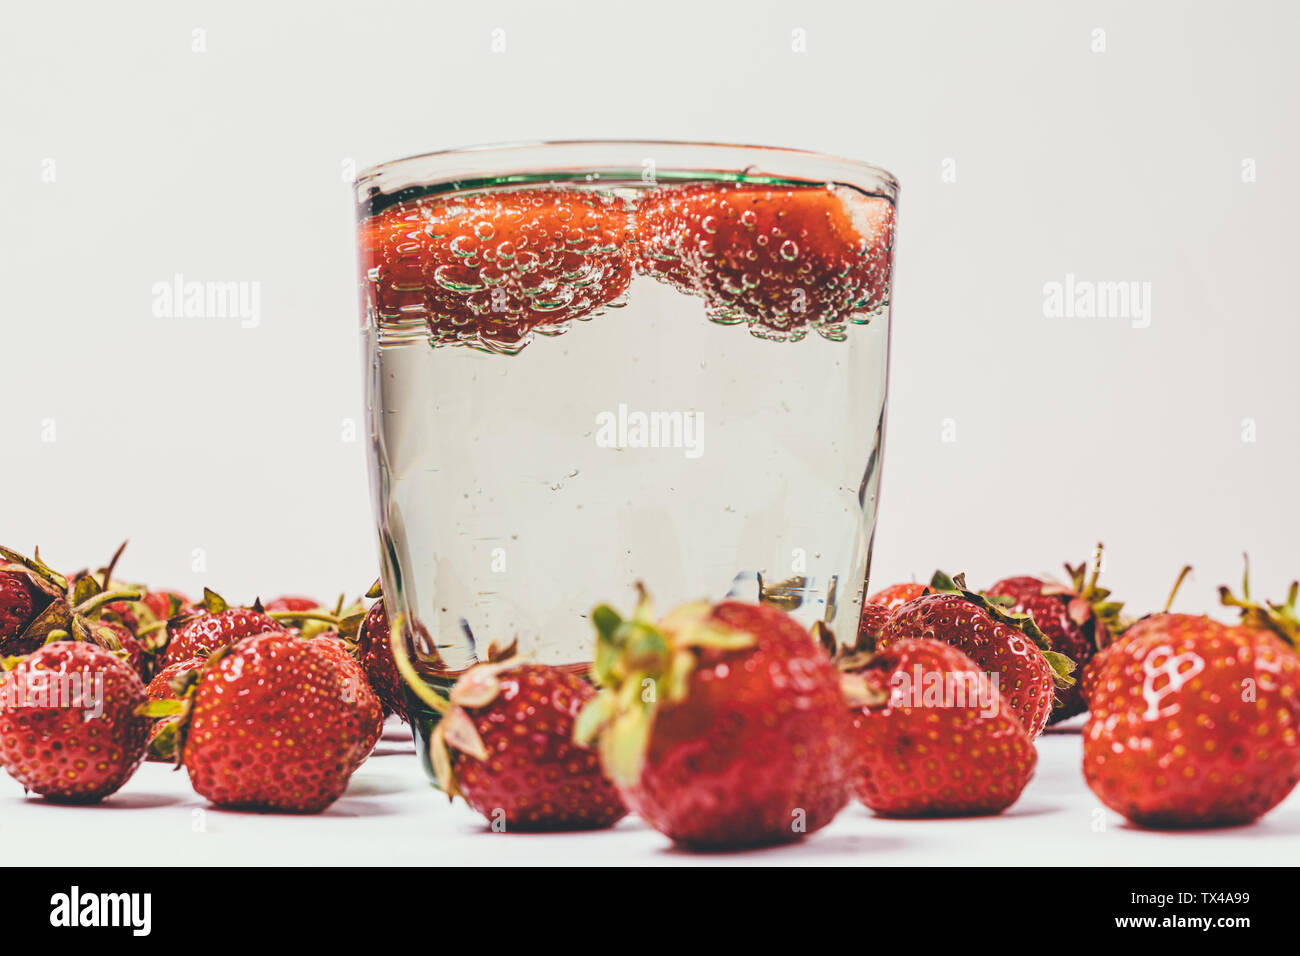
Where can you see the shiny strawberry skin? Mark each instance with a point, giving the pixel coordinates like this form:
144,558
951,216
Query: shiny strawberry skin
1193,723
488,269
207,632
159,688
20,603
1025,678
376,656
781,259
272,728
62,752
536,775
760,749
1090,673
896,595
358,690
1055,614
159,603
933,760
871,624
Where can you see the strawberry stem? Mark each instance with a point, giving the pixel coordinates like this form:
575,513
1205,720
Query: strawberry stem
1182,576
439,704
94,603
302,616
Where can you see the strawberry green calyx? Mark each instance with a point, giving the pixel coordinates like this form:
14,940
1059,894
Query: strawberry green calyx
1178,583
213,602
161,708
54,603
90,606
639,666
1282,619
1061,665
344,621
1085,595
79,620
477,687
857,690
41,575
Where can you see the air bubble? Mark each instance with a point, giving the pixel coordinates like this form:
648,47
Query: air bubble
789,251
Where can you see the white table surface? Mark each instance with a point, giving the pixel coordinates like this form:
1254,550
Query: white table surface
391,816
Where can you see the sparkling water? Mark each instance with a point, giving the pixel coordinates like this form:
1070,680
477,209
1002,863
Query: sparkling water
661,437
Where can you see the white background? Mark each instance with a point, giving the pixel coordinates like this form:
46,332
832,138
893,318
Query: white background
228,164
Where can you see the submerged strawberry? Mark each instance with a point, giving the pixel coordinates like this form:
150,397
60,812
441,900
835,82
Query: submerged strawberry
272,725
722,726
935,735
1194,722
68,723
506,746
1077,618
215,624
1004,645
782,259
489,269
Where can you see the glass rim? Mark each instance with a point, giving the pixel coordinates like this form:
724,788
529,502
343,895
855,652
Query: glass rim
451,165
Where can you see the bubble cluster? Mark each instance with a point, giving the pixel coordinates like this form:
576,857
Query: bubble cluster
491,269
781,260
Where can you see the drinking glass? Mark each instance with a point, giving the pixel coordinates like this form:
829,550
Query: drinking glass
592,364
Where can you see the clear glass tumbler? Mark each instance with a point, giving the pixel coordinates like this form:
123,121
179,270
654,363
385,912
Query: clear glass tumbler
591,364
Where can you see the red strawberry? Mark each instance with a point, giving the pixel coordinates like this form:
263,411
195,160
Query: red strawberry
272,725
1006,646
20,602
936,737
28,587
376,656
291,604
871,624
162,735
68,723
781,259
1077,619
876,611
214,626
357,690
1193,722
489,269
165,604
506,746
722,726
896,595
